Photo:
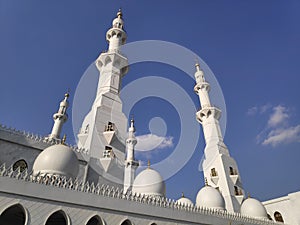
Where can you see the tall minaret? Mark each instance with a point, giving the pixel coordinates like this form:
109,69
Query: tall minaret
104,130
130,163
59,119
218,167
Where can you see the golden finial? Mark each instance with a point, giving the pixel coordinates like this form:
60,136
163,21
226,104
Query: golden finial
148,164
119,14
67,95
248,195
132,119
197,65
63,140
206,183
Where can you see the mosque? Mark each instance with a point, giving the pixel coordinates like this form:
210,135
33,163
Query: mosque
45,181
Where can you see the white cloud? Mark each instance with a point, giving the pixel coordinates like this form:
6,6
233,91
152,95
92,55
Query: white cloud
277,130
283,135
258,109
252,111
149,142
279,116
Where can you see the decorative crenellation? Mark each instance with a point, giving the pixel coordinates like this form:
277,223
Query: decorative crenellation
113,192
40,139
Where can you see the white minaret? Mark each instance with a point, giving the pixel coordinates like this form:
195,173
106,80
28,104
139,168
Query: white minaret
104,130
218,167
59,119
130,163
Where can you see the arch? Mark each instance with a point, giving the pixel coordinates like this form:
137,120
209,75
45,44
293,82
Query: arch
126,222
269,217
22,164
278,217
57,218
95,220
15,214
153,224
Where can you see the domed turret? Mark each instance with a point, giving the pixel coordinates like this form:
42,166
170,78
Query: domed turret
57,160
210,197
254,208
185,201
149,182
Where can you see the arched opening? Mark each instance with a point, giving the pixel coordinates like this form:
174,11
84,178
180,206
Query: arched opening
95,220
153,224
269,217
57,218
13,215
22,164
278,217
126,222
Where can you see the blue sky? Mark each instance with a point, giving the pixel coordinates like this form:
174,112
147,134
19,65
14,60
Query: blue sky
252,47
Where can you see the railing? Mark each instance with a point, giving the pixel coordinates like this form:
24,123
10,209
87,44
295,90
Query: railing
107,191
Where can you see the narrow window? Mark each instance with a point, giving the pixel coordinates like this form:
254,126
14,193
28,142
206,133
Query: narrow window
213,172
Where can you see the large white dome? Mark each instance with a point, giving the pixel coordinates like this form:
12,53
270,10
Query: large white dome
149,182
185,201
253,207
57,160
210,197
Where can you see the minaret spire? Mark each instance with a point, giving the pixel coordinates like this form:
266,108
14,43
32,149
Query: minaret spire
219,168
60,118
130,163
116,35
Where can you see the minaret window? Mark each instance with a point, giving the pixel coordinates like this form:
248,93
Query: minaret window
108,152
278,217
232,171
110,126
237,191
213,172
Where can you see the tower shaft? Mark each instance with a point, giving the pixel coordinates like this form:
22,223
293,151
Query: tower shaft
219,167
104,129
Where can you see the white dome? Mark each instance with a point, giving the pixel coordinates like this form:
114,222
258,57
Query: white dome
149,182
210,197
254,208
185,201
57,159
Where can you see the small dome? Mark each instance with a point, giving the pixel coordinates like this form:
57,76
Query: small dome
254,208
149,182
210,197
57,160
185,201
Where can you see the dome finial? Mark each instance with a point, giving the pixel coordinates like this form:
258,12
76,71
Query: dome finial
197,65
63,140
148,164
119,14
67,94
248,195
206,183
182,195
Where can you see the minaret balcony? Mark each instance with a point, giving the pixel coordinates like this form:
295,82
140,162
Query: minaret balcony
206,112
200,86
